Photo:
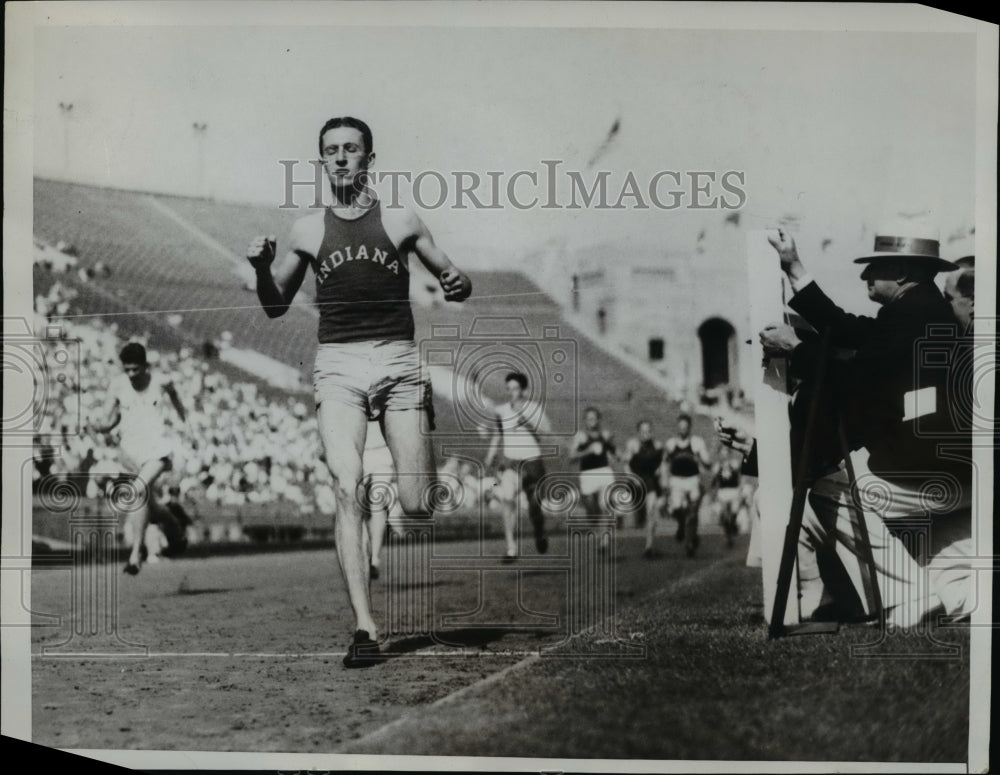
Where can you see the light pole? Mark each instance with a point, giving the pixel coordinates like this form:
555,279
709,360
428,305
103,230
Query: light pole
66,110
200,132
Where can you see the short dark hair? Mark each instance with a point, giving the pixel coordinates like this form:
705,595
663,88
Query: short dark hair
593,409
133,352
639,424
684,416
349,121
519,378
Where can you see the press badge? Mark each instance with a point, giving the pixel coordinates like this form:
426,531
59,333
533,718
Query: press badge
917,403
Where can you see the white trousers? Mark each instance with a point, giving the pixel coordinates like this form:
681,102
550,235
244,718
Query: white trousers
923,563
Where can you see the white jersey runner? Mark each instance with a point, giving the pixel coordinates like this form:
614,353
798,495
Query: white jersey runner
142,429
519,428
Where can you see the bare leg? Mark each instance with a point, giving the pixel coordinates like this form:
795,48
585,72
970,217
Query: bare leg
138,519
651,519
509,511
413,456
377,519
343,431
691,539
593,508
530,477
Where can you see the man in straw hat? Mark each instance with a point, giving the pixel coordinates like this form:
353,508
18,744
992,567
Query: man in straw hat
910,460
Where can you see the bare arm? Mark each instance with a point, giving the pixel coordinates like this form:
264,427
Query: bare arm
418,240
276,291
113,417
611,449
494,446
578,447
703,455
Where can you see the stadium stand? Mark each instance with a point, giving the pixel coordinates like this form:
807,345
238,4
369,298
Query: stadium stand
169,271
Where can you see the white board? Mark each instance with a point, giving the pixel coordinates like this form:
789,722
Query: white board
773,428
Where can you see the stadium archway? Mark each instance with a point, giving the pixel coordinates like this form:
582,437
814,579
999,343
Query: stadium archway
718,352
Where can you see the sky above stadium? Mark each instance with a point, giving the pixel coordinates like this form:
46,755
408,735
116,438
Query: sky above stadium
841,130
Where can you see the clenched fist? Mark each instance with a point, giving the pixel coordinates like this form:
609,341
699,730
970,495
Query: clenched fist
733,437
261,252
455,284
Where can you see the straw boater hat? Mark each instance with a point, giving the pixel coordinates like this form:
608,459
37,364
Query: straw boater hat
909,242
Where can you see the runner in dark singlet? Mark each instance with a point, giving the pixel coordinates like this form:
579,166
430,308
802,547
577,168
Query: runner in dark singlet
594,449
685,455
727,495
367,364
645,460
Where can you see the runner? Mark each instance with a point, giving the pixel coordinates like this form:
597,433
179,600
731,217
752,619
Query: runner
645,459
146,452
686,455
726,481
519,465
367,362
594,449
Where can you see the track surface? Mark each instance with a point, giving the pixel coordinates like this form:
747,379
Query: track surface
245,655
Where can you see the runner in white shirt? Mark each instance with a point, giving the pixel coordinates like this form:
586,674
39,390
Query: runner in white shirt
516,451
137,399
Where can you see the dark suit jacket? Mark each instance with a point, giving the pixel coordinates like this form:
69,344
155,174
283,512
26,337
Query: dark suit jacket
912,343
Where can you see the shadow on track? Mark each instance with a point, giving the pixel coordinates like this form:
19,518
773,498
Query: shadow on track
467,637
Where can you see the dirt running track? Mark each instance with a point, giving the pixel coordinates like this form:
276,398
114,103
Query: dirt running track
245,655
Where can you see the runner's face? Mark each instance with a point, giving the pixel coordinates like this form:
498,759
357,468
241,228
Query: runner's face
134,371
514,391
645,431
344,155
592,420
684,427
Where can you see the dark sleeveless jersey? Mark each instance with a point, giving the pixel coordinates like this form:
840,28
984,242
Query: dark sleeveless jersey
646,461
591,460
362,283
682,459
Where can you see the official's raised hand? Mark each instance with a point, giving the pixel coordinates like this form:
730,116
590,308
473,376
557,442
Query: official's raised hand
261,252
784,245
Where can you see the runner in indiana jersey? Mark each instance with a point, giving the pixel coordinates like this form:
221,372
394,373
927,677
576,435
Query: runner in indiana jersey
520,468
137,399
685,456
367,363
